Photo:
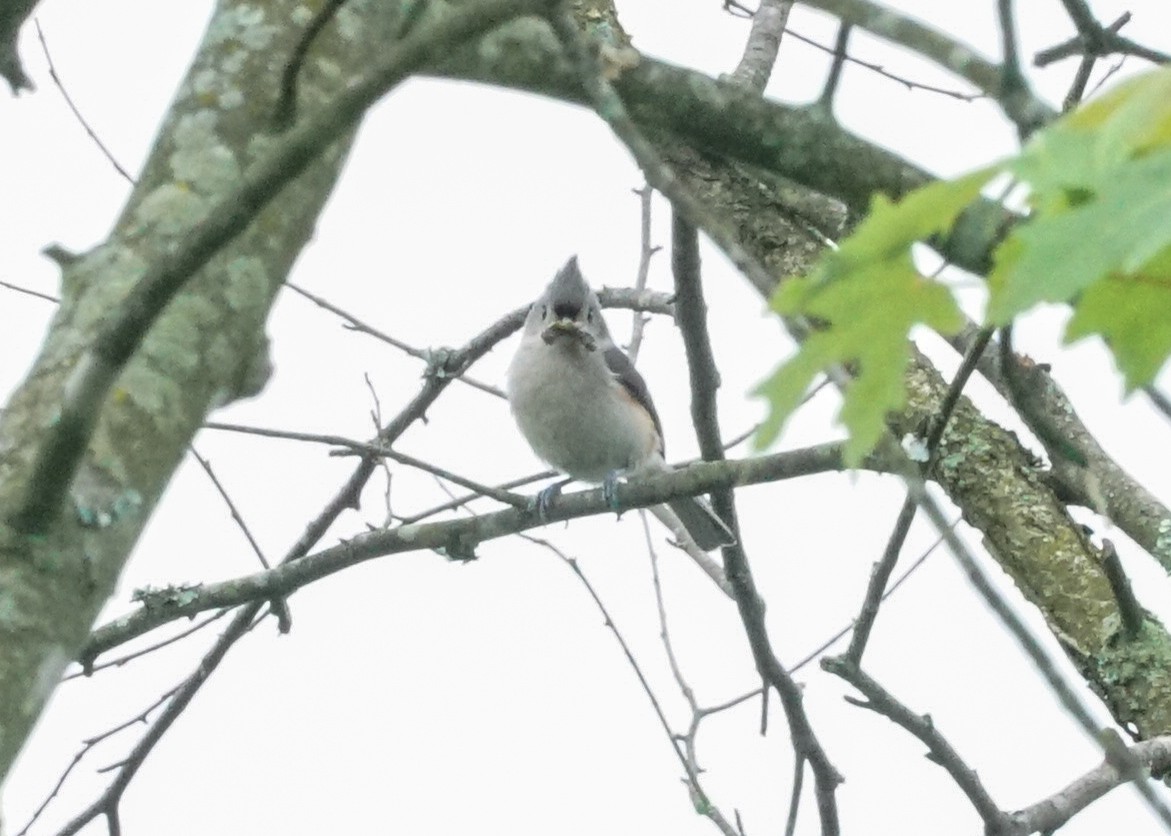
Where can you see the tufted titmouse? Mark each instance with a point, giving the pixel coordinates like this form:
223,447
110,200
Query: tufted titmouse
582,405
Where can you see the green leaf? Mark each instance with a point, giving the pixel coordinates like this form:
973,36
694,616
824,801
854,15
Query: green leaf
890,229
1057,255
1130,119
869,295
1063,169
1132,312
871,312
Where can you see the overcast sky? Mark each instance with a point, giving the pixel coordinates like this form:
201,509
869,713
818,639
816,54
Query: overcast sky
418,696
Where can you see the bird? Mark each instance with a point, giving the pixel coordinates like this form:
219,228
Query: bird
583,407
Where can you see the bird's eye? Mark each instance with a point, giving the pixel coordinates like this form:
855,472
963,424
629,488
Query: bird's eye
544,311
589,314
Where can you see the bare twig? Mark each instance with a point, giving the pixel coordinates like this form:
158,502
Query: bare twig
363,448
688,752
285,112
922,727
1161,402
1097,40
880,70
1016,98
834,76
684,542
537,477
74,109
703,804
129,657
460,501
971,359
795,794
365,328
47,297
876,591
87,746
646,252
845,631
376,418
243,526
107,803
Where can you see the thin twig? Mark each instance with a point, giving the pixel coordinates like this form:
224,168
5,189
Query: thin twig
880,70
537,477
880,700
1160,401
646,252
971,359
130,657
834,76
1019,103
47,297
1100,41
243,526
87,746
890,590
74,109
1129,608
365,328
368,449
795,794
876,590
690,759
705,806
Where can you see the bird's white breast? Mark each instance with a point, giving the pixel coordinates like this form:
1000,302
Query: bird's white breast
574,413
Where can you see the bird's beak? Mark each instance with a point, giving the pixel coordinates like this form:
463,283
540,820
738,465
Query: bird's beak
566,328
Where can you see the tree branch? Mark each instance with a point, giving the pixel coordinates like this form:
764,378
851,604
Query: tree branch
878,699
1052,813
457,538
764,42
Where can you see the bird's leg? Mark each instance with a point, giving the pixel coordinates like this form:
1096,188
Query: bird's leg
545,498
610,490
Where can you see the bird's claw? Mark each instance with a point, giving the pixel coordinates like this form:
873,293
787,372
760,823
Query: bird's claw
545,499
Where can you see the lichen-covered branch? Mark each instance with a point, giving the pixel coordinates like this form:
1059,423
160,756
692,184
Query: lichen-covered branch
457,538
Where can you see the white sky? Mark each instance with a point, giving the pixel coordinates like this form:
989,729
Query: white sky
423,697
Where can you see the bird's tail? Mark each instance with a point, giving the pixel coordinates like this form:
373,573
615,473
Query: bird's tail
706,529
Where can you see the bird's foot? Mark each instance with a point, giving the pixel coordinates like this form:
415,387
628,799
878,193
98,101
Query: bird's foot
546,497
610,491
